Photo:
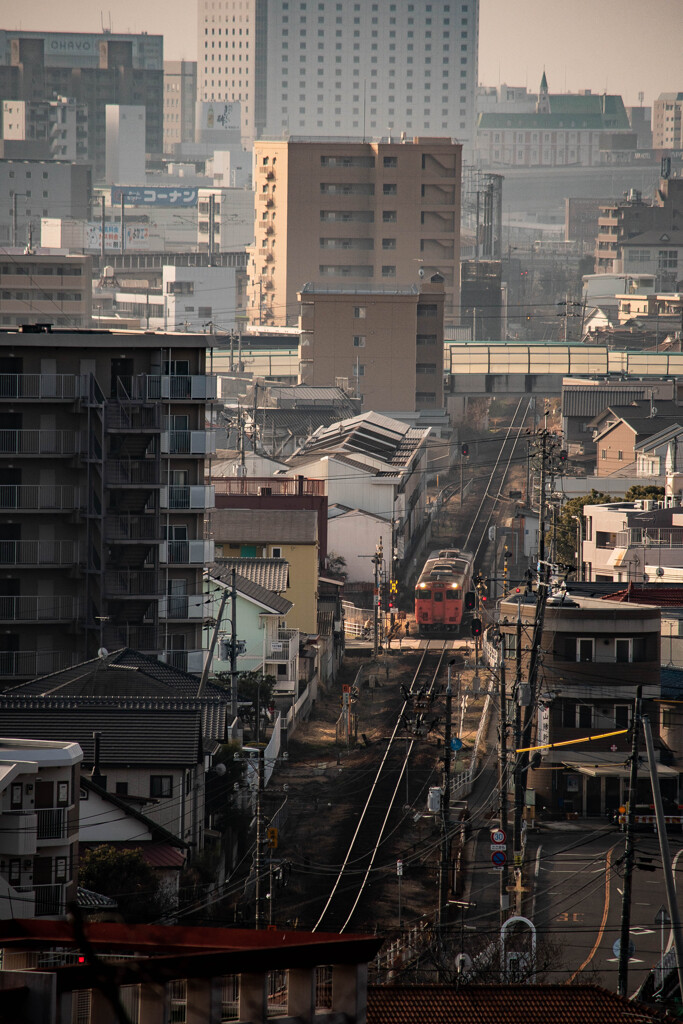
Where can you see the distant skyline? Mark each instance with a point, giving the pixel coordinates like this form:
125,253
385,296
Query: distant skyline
603,45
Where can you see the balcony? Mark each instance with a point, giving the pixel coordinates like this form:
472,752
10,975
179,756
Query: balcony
39,608
18,833
186,552
39,442
185,606
181,388
44,554
50,900
132,529
31,664
40,498
188,442
664,537
53,824
261,486
132,473
186,661
285,647
193,496
36,387
133,583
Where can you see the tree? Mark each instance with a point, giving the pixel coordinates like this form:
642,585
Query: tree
253,688
126,876
646,491
566,534
336,566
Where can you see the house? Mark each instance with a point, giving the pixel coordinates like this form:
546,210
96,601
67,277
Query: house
269,646
660,454
626,541
617,430
376,464
141,727
193,974
291,536
584,398
39,787
596,653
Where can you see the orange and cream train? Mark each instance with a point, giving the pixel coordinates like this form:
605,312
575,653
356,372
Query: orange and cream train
440,592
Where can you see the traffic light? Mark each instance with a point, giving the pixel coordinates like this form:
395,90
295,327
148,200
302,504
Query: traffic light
464,449
470,601
563,455
476,627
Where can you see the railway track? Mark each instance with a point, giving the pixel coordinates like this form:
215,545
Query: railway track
375,819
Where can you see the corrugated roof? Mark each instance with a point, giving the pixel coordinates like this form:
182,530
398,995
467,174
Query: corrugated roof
504,1004
147,733
589,401
369,435
264,526
249,588
270,573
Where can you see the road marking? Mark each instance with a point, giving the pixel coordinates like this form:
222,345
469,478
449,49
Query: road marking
605,912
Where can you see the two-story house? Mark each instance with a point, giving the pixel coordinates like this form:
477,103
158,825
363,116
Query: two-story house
39,797
617,430
632,541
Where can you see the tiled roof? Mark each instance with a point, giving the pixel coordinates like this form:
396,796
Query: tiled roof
89,900
662,596
157,855
132,732
270,573
504,1004
589,401
248,588
368,436
264,526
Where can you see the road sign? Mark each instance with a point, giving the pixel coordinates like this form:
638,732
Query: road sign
399,868
616,948
498,836
498,846
271,834
456,743
498,858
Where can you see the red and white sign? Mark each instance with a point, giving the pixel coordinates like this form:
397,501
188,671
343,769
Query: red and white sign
498,836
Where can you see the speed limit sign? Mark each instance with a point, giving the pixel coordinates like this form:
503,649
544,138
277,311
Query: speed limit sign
498,836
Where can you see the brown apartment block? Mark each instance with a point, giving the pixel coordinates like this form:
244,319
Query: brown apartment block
352,214
386,344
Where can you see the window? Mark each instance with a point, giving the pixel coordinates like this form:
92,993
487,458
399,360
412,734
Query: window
620,456
568,714
359,312
160,786
425,339
425,368
622,716
427,309
388,243
438,595
14,871
122,789
603,453
359,341
276,553
390,161
584,648
585,716
388,271
389,189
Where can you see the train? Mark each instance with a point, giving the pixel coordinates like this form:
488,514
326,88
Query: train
440,592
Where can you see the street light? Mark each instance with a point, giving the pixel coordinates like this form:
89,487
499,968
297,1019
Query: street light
579,546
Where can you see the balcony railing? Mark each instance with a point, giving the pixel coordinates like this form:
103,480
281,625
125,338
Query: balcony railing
39,609
41,386
126,416
256,485
49,900
186,552
43,553
18,833
53,823
132,472
153,387
186,661
284,647
194,496
40,497
39,442
664,537
132,529
188,442
185,606
31,664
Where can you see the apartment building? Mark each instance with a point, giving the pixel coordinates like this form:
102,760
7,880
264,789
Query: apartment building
180,97
386,213
39,803
47,129
342,69
40,188
667,121
640,236
103,445
386,344
55,289
635,542
93,69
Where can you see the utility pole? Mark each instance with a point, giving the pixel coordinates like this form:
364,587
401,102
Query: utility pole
502,782
445,805
377,560
519,796
629,853
212,645
123,224
258,917
665,854
233,645
103,247
14,219
210,242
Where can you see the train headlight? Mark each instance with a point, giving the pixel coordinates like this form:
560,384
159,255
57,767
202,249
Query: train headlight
422,586
454,586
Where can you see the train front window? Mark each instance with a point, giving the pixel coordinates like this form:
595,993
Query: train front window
452,595
438,595
423,595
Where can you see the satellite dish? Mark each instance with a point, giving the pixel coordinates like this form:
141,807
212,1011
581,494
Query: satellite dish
102,653
659,571
220,769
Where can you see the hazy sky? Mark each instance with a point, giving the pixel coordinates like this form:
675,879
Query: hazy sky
622,46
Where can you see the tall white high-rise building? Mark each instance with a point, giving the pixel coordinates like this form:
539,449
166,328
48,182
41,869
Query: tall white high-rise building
343,68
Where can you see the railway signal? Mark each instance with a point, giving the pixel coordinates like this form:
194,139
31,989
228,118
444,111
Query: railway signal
476,627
